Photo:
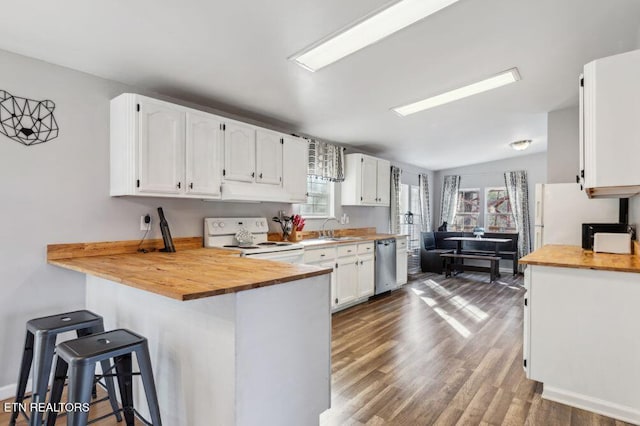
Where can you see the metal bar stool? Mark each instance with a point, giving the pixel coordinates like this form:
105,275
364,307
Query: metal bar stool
79,357
39,348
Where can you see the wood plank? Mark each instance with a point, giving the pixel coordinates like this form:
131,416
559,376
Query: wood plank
189,274
107,248
575,257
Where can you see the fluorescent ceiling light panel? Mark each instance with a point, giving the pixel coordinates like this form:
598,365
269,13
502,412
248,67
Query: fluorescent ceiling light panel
370,29
502,79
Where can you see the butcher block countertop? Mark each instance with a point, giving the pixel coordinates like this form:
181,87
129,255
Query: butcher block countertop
575,257
189,273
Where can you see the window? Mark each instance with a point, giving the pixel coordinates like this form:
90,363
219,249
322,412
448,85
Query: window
319,198
498,215
468,210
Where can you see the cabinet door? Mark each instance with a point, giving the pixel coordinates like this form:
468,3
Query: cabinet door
294,168
346,280
383,182
334,294
161,148
204,154
268,157
239,152
369,180
366,276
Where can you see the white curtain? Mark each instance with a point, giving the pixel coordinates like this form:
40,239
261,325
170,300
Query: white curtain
449,203
425,209
326,161
518,190
394,206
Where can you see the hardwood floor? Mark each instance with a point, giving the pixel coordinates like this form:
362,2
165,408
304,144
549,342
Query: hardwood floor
438,351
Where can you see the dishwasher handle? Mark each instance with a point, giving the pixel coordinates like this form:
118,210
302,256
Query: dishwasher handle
387,242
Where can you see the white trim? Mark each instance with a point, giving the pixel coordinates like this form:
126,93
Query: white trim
600,406
9,391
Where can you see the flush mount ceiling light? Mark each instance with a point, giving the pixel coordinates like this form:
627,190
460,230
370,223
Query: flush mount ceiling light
499,80
520,145
370,29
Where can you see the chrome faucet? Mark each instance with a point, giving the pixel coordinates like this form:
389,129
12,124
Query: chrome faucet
330,234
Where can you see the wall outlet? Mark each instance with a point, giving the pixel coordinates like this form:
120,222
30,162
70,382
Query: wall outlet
145,222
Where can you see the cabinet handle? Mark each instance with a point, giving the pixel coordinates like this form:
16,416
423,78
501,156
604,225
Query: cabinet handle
322,255
179,185
191,185
260,176
336,300
253,174
361,262
348,251
356,263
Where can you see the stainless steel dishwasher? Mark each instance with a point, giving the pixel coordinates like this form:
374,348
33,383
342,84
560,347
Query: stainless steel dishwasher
385,265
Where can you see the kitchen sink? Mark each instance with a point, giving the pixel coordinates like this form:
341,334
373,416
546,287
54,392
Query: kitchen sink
344,238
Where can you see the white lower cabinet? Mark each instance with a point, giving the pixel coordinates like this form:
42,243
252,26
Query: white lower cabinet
581,338
334,288
347,279
353,277
366,275
401,261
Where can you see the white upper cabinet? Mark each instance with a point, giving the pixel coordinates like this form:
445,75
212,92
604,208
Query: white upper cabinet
161,147
239,152
610,126
269,157
149,147
384,182
294,168
367,181
203,154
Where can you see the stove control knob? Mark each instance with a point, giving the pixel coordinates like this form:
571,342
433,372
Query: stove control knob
258,223
215,224
221,225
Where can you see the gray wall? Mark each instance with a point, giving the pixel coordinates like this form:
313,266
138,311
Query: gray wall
58,192
562,145
492,174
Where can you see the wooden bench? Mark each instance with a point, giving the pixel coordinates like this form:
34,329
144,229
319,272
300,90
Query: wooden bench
451,265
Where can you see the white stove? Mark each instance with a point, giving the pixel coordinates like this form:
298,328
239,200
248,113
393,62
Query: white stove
220,232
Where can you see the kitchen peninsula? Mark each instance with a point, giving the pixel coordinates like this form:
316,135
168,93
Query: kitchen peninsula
581,328
233,341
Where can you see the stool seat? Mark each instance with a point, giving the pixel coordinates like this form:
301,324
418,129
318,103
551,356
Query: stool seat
61,323
99,346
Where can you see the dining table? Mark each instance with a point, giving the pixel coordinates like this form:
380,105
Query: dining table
496,241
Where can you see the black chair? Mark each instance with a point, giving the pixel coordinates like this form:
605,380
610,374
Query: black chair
38,352
430,260
79,357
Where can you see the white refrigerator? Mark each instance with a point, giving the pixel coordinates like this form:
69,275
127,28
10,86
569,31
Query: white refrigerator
562,208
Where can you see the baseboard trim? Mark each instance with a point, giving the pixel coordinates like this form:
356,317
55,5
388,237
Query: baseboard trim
9,391
600,406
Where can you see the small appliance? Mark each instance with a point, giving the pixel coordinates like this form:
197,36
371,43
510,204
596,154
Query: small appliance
617,243
221,232
589,230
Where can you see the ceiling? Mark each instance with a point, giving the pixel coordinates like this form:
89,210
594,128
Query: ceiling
234,53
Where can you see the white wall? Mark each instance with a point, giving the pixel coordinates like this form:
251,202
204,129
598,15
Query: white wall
58,192
562,145
492,174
